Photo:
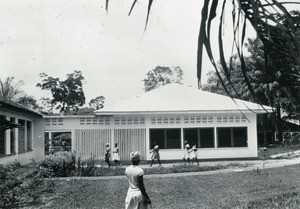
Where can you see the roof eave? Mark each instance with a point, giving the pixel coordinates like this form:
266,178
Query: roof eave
256,111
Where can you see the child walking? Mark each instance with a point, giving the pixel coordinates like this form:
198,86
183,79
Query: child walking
115,155
186,152
155,154
195,153
107,154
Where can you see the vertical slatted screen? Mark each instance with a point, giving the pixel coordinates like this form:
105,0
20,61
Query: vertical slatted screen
91,142
130,140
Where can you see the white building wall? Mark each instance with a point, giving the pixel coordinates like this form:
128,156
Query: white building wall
248,120
37,143
181,121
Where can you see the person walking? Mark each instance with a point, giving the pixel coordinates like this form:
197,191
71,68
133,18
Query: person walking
155,154
194,153
137,197
107,154
115,155
186,152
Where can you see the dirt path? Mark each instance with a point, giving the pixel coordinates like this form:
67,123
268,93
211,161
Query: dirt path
241,166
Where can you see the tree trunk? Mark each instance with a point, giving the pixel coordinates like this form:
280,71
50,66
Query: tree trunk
265,130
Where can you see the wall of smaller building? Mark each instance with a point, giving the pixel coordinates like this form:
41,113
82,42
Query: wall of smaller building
39,139
35,153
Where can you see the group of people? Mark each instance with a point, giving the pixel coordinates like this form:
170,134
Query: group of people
190,153
115,155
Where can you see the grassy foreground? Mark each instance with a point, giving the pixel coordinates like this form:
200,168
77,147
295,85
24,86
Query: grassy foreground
274,188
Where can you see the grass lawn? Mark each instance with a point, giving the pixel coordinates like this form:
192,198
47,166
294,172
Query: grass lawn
277,149
276,188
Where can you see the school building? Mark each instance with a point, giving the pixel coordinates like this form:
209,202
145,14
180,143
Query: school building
220,126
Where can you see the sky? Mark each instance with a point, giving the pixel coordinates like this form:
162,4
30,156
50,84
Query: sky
111,48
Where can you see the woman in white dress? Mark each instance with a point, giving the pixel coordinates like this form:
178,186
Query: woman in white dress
195,153
115,155
137,197
186,152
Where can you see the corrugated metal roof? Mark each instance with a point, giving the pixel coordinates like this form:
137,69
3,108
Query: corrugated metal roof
176,98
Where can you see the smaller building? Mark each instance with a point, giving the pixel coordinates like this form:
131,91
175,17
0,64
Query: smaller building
21,134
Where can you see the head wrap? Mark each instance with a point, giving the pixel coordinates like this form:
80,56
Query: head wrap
135,156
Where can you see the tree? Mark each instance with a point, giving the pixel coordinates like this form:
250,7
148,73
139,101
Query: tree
278,40
67,95
262,79
28,101
276,37
161,76
97,103
10,90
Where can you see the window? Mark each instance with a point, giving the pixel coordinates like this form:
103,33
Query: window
203,137
57,141
21,135
166,138
206,137
232,137
240,137
2,139
29,135
13,137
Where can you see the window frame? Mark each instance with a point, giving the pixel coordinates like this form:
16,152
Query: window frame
199,138
232,136
29,135
163,144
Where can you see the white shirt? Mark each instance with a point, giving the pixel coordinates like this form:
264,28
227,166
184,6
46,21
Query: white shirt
133,172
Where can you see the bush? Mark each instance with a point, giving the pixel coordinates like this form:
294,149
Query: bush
86,168
59,164
9,187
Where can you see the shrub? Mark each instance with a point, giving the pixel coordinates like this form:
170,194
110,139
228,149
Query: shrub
59,164
9,186
86,168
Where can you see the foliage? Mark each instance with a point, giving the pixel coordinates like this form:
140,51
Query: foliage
63,164
161,76
68,95
97,103
277,32
278,39
9,187
86,168
9,90
59,164
85,111
29,101
21,188
263,79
